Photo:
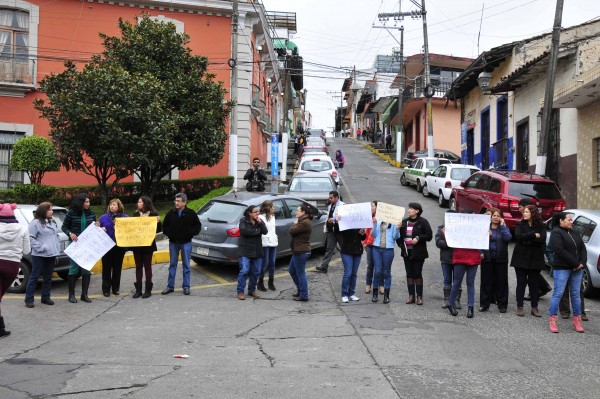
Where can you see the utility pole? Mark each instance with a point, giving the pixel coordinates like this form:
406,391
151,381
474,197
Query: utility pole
400,134
233,138
428,91
541,166
341,96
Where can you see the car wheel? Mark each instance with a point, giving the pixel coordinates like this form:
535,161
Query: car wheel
586,284
425,191
403,180
452,205
18,286
442,201
419,185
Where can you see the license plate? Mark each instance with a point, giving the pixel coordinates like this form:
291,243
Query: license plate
202,251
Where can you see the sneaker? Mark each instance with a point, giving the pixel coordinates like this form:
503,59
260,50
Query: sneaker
354,298
345,299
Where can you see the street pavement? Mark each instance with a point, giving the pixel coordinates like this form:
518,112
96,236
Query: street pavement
274,347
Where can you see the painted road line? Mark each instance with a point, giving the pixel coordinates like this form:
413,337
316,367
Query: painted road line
210,274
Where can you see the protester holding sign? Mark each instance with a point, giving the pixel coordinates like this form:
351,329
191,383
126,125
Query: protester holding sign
384,236
112,261
446,254
368,245
143,255
76,221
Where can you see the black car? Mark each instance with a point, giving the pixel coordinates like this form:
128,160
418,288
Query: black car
449,155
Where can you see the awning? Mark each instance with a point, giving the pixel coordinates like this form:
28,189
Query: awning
389,112
382,104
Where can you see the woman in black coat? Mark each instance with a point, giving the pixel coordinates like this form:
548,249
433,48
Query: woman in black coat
414,234
143,255
250,251
528,257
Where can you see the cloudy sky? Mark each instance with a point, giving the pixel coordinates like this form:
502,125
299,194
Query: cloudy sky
336,35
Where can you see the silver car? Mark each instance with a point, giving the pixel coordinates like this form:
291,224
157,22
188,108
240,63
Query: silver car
220,218
314,187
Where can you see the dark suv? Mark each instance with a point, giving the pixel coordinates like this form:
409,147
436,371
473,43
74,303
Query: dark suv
504,190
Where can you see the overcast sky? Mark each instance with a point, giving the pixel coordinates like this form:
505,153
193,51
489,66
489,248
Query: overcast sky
340,34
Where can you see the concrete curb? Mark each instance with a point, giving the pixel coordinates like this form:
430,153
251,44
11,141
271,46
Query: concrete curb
161,256
381,155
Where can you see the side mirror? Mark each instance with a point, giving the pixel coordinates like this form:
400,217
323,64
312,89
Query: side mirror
340,183
462,183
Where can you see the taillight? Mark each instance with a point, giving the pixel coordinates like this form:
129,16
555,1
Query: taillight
448,184
503,203
560,206
514,206
234,232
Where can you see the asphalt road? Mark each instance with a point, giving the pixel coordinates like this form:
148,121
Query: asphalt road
277,348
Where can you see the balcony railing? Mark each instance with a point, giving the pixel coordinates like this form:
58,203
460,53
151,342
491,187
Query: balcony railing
416,90
16,71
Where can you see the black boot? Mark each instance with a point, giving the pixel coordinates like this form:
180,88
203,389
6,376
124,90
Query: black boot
138,290
446,296
271,285
375,296
457,301
470,312
386,295
261,285
3,332
452,310
85,284
72,280
148,292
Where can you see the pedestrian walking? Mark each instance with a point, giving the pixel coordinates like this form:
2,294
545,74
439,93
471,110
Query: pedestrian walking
269,244
300,245
464,261
250,251
143,255
368,246
351,251
14,243
570,257
494,268
78,218
414,234
384,239
332,231
45,247
388,143
112,261
180,225
446,255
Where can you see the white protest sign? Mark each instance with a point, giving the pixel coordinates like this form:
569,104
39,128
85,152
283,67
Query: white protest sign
467,230
389,213
355,216
90,246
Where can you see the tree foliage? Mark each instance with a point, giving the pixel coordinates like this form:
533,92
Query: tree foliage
146,105
35,156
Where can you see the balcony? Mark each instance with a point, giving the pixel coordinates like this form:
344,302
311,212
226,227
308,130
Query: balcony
416,90
16,76
257,105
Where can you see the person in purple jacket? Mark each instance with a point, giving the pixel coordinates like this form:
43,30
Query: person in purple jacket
112,261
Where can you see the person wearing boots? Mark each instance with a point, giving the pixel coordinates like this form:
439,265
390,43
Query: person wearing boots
570,257
14,243
464,261
446,253
414,234
384,238
368,246
45,247
112,261
78,218
351,251
250,251
269,243
143,255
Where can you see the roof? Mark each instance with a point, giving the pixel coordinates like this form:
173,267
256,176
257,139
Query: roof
520,76
382,104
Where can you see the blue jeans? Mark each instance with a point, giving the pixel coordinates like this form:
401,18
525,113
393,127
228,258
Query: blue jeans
382,261
370,267
41,265
249,270
268,261
447,272
297,270
561,279
186,252
459,273
351,263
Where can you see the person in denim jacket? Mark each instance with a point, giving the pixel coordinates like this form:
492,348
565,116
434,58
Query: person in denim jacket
384,239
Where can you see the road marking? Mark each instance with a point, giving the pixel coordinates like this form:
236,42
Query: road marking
210,274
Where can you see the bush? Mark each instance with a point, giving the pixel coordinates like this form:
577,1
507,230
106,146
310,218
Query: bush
33,193
8,196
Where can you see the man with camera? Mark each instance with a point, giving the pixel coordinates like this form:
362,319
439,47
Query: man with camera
256,177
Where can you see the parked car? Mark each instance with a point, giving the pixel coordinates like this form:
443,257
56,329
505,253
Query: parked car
220,217
411,156
24,215
314,187
503,190
415,172
313,148
318,163
585,222
445,177
315,141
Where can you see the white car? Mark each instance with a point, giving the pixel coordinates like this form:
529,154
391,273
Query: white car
318,163
440,182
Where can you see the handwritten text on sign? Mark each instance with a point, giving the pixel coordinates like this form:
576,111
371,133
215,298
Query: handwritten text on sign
355,216
135,232
90,246
467,230
389,213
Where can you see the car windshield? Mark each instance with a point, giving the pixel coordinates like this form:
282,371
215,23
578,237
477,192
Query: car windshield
222,212
461,173
534,190
316,166
315,149
432,163
311,184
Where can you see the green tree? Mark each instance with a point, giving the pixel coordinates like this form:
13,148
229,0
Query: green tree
35,156
146,105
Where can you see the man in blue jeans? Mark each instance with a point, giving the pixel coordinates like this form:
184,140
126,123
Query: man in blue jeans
180,225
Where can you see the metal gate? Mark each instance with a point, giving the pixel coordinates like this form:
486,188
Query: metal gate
8,177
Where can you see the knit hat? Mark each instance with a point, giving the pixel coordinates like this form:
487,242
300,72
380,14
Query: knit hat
6,210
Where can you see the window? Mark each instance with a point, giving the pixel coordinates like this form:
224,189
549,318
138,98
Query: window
484,182
222,212
14,46
461,173
585,227
8,177
472,182
292,205
279,211
596,157
495,186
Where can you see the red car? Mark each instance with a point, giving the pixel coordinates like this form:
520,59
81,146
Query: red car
504,190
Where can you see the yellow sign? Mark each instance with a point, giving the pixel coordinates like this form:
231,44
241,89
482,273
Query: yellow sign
389,213
135,232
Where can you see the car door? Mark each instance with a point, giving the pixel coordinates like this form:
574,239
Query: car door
464,197
437,180
412,173
480,195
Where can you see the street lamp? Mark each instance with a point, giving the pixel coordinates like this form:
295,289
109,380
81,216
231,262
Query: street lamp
483,80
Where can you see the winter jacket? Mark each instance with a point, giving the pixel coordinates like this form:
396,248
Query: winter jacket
499,240
14,240
369,238
568,247
422,231
72,222
250,241
352,242
44,238
446,252
108,222
529,251
150,248
300,233
464,256
391,235
181,229
270,239
333,227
